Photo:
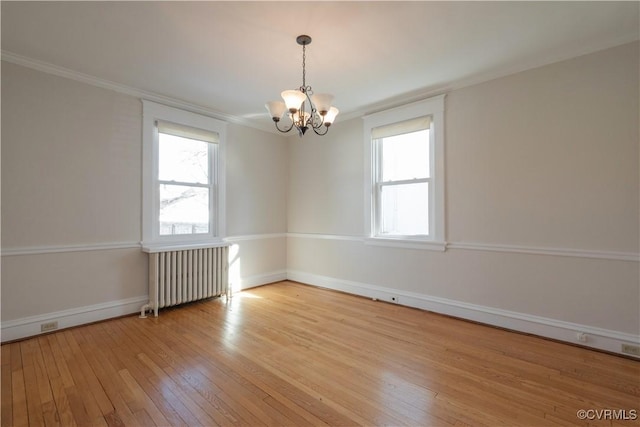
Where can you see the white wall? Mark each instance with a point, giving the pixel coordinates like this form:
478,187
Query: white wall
542,190
71,162
71,156
548,157
71,202
326,181
256,182
256,206
542,208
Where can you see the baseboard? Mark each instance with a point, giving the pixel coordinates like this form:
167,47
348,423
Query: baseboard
597,338
249,282
30,326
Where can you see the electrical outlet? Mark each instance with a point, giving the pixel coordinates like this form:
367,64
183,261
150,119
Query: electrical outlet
51,326
631,349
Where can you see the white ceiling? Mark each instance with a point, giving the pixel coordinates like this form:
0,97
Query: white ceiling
232,57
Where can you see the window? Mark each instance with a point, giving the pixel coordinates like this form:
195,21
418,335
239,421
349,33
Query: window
404,198
186,186
183,186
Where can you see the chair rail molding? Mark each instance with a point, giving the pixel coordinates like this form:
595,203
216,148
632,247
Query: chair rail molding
491,247
38,250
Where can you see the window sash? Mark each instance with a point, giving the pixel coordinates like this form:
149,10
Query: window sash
197,227
185,184
212,161
211,185
404,181
379,211
378,135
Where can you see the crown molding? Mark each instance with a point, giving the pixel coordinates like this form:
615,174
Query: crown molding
56,70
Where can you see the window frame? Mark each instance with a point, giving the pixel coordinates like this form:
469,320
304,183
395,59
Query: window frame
151,237
433,107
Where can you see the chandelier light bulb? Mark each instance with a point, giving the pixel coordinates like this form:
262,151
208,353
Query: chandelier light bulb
276,109
322,102
299,119
293,99
330,116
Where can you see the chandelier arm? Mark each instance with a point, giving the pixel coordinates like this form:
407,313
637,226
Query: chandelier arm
326,129
283,130
316,120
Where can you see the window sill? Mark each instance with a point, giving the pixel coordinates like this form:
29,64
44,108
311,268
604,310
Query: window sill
405,243
167,246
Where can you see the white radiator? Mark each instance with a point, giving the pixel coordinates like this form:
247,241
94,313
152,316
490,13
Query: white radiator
180,276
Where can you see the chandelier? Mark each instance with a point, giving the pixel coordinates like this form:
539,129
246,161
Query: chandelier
305,109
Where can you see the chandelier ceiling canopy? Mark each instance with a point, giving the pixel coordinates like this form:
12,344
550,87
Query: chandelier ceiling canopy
305,109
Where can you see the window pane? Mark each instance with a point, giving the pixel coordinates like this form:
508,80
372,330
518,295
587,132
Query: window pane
405,156
183,159
183,210
405,209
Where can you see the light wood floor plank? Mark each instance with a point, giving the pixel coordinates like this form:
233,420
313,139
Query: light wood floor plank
87,387
6,392
34,404
113,386
287,354
63,409
58,357
19,399
155,387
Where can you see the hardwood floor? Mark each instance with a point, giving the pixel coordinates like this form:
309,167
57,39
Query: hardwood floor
295,355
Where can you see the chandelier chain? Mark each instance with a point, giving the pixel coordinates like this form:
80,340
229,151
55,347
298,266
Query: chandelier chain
304,63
